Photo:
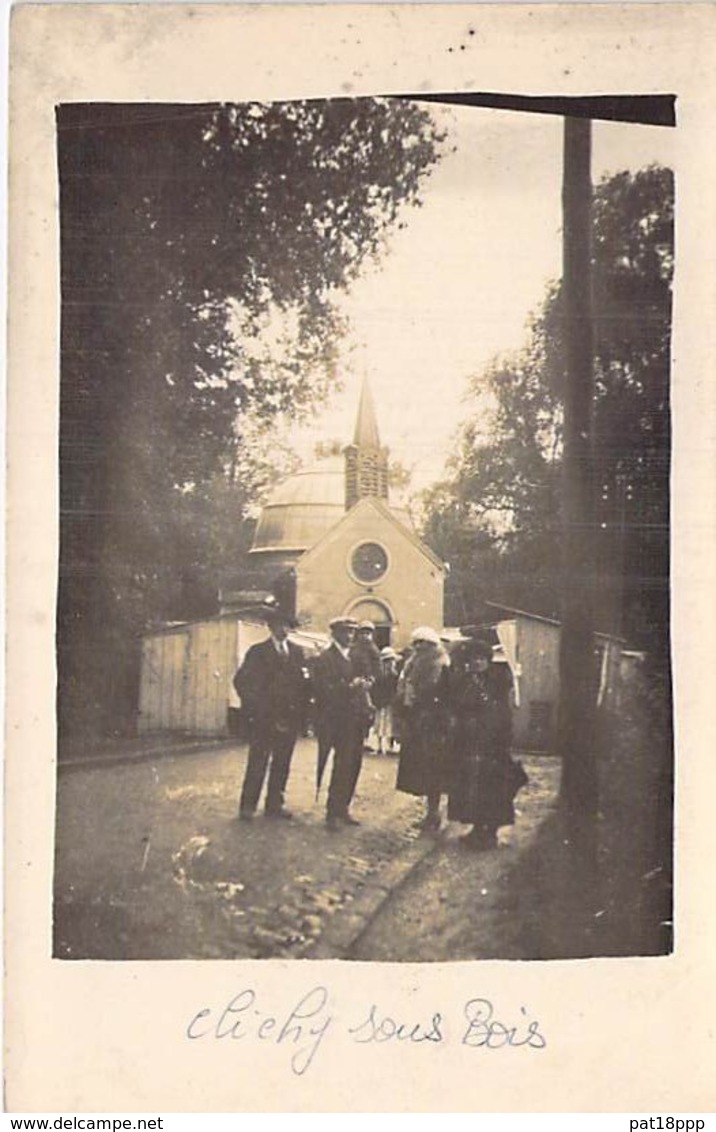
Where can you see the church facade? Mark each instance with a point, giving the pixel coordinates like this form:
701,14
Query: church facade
329,543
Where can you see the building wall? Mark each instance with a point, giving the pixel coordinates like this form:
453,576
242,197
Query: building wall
187,674
411,589
538,657
186,677
535,720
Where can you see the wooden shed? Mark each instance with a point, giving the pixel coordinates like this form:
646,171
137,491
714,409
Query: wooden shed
530,644
187,671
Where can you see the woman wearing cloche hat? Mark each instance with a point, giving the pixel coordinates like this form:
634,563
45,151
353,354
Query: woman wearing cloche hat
422,698
484,777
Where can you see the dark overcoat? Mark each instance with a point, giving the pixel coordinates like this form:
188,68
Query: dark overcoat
383,693
340,705
273,689
422,768
365,660
484,777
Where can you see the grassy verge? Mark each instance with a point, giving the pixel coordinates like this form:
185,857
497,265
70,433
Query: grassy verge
606,889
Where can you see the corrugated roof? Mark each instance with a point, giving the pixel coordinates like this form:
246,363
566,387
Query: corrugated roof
303,508
323,483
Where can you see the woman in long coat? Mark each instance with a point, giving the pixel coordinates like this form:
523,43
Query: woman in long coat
484,776
422,702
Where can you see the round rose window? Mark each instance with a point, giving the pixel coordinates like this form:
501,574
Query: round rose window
369,562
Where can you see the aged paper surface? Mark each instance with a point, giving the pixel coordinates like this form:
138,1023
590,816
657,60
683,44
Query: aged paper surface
632,1034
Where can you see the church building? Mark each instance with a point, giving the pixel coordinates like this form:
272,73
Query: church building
329,543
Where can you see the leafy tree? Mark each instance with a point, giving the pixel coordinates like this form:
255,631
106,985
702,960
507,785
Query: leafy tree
634,255
496,519
324,449
202,252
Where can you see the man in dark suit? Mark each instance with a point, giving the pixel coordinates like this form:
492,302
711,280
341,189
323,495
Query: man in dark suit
272,684
342,703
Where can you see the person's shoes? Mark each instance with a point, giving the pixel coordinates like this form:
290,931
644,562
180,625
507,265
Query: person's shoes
332,823
487,840
348,820
479,840
286,815
245,815
429,824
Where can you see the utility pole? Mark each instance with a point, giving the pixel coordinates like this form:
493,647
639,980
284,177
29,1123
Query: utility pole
577,708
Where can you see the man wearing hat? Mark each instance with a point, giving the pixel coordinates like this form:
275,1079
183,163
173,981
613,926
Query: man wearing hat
342,703
272,685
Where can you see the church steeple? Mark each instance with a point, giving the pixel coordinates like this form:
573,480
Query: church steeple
366,461
366,431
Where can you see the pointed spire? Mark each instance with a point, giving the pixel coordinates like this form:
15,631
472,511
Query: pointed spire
366,461
366,431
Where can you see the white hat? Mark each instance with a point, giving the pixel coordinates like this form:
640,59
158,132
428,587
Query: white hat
349,622
425,633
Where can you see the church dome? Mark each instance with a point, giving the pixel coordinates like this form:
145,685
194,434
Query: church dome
303,508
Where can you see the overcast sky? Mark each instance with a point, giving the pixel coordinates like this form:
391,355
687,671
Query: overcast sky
461,280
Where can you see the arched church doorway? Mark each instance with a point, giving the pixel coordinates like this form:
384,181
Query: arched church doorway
376,611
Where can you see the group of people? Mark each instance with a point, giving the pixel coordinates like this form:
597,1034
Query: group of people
451,707
456,735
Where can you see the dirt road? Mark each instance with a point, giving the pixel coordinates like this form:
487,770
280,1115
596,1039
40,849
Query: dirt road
151,864
456,903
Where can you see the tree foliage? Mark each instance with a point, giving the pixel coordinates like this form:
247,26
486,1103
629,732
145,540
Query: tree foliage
203,249
497,516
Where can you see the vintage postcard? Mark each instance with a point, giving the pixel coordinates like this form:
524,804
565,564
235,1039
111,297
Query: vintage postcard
360,558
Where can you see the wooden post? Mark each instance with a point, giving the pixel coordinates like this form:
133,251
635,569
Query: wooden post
577,707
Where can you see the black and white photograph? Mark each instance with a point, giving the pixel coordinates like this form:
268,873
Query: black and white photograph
360,558
363,620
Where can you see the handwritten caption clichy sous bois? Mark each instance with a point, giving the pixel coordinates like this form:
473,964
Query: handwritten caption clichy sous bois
305,1026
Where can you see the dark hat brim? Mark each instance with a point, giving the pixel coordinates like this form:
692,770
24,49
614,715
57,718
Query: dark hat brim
477,647
273,616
